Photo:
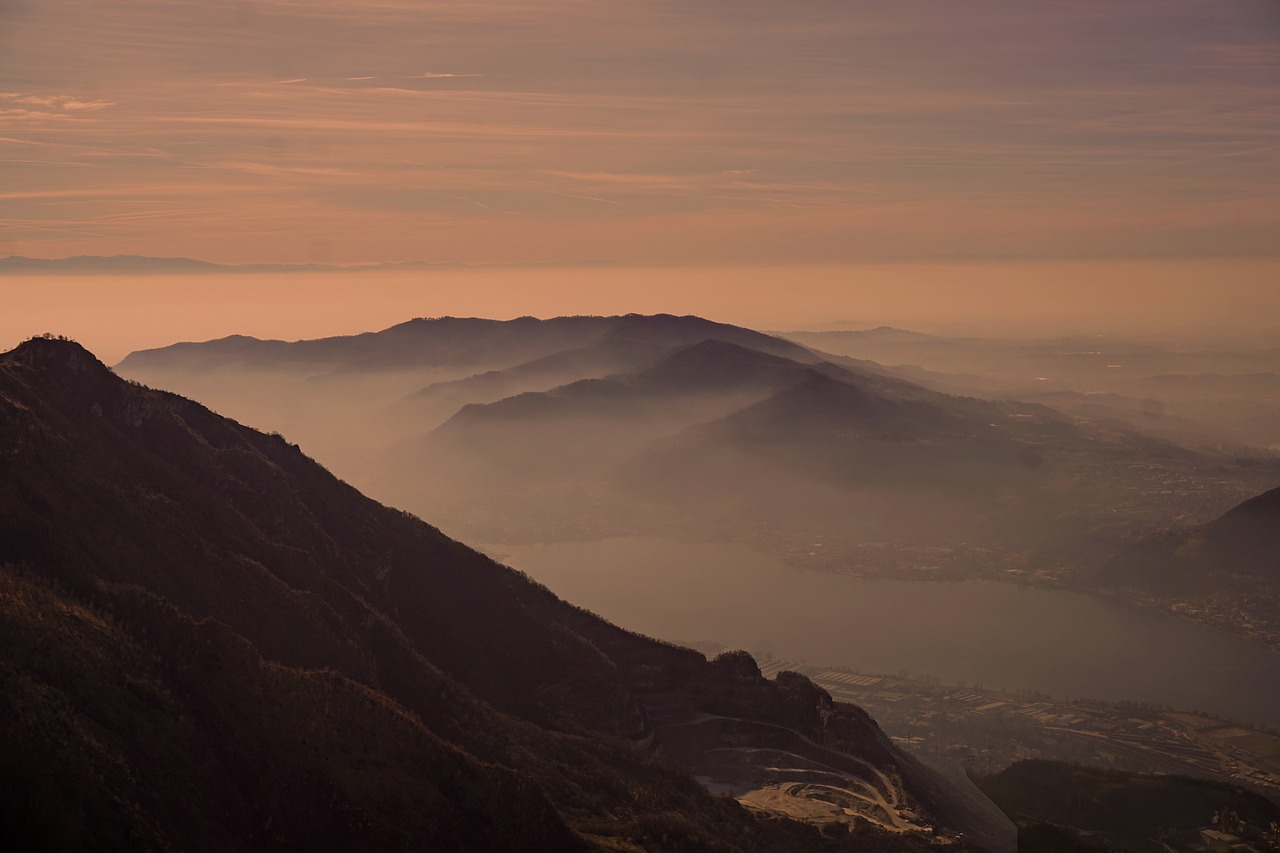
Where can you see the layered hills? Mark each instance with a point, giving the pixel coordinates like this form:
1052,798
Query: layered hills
717,424
1201,392
350,398
584,427
600,420
464,342
212,642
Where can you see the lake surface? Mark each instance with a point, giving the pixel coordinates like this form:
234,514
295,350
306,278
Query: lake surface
998,635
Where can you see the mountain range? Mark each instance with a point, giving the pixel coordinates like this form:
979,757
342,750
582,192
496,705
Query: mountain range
212,643
1198,392
535,430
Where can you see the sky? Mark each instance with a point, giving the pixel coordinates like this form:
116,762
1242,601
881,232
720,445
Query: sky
699,132
1202,303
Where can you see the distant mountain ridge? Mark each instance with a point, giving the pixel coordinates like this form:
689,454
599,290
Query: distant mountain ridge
1195,392
212,641
352,397
536,429
690,428
711,366
460,341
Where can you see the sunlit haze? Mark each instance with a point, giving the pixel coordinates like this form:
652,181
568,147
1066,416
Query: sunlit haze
1200,300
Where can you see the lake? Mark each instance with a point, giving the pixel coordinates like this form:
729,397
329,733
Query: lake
999,635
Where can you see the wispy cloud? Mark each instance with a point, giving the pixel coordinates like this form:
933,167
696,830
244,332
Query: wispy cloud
19,108
63,103
815,128
276,169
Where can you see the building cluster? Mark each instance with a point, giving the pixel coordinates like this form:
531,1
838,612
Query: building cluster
1229,834
987,730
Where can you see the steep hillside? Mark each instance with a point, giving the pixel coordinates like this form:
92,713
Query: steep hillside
1250,533
1238,550
1096,809
215,643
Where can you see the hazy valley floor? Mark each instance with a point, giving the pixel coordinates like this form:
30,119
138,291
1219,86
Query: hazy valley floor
1003,635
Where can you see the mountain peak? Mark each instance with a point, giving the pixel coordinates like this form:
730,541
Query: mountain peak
1251,527
56,353
1265,505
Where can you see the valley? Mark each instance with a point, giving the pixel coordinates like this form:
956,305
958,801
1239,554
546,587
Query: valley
988,730
1005,636
209,636
706,484
664,427
583,429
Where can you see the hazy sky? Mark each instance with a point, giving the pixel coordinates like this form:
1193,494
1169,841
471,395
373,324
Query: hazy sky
1204,302
654,131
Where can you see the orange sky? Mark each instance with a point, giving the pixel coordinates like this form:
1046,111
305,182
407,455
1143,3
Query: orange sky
711,132
1202,301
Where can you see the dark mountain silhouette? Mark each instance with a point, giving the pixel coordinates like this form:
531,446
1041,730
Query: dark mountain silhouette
1252,528
1066,807
629,347
835,447
727,436
450,342
212,642
350,399
790,397
587,425
1240,548
416,343
1255,522
821,403
715,425
539,430
711,367
93,264
610,353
